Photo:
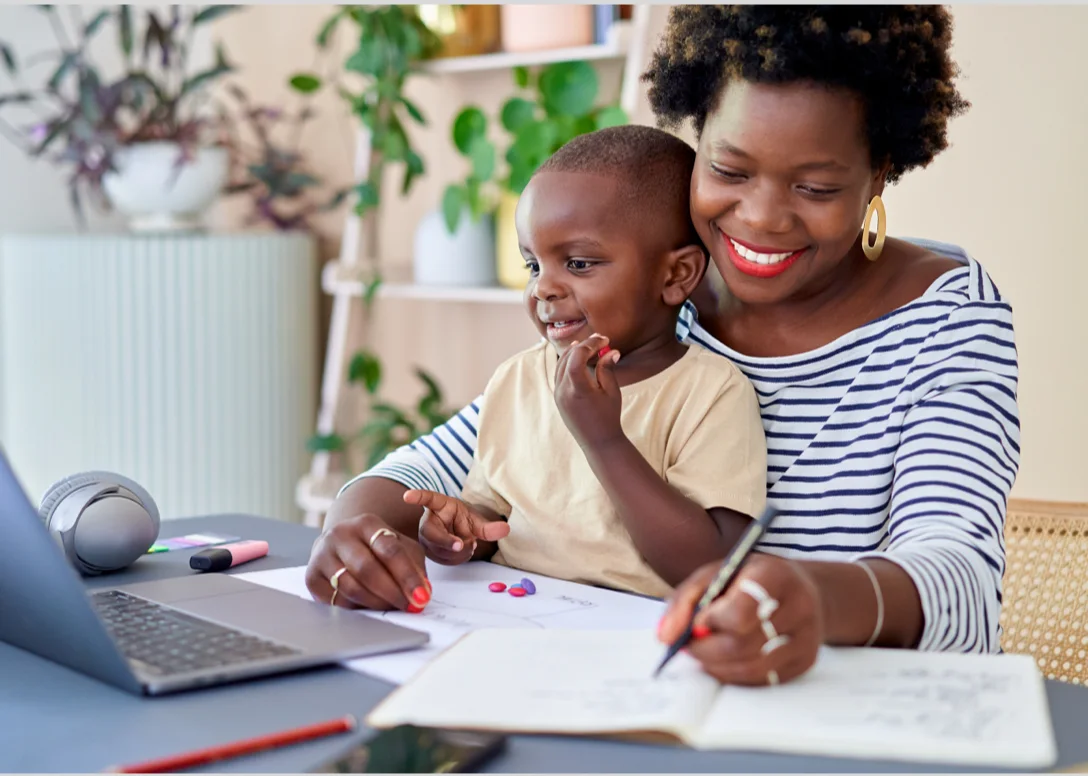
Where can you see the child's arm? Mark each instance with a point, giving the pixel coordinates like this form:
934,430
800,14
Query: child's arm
672,532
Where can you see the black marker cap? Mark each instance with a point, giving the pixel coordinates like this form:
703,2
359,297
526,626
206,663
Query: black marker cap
214,559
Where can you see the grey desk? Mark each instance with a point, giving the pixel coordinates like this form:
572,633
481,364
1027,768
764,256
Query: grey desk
52,719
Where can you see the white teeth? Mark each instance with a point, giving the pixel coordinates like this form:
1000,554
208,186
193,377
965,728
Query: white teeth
759,258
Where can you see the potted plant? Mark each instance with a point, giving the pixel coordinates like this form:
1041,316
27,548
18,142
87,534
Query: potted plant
270,168
138,142
553,107
390,41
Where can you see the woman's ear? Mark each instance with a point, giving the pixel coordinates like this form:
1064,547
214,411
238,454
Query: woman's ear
685,269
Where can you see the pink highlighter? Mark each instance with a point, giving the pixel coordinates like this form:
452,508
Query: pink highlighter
226,556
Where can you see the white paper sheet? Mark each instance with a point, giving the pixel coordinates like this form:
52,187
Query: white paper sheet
462,603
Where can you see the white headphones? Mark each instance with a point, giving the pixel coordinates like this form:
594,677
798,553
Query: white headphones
101,520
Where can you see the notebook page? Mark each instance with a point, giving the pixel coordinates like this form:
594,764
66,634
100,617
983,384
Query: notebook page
985,710
558,681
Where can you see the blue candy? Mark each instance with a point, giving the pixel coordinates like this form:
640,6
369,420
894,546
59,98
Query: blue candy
528,586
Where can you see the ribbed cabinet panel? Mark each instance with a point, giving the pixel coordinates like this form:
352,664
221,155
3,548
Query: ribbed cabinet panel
188,363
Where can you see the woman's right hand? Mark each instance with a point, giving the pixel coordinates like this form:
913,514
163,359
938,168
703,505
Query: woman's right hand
374,567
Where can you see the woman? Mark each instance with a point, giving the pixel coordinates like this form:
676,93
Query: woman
885,369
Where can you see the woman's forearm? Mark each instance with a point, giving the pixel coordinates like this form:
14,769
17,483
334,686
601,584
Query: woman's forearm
377,496
850,609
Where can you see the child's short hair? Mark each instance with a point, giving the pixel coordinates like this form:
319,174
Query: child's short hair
653,166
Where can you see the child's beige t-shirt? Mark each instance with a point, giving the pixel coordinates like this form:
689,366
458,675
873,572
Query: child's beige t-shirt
697,423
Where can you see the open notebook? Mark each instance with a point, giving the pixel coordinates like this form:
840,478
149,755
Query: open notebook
985,710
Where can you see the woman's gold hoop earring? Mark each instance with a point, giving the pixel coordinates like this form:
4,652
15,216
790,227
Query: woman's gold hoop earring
872,252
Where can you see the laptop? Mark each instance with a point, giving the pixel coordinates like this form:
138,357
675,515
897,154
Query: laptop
153,638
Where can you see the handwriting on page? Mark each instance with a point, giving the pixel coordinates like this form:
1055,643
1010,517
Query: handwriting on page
944,703
615,697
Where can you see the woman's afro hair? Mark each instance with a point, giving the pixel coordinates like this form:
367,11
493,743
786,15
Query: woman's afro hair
894,57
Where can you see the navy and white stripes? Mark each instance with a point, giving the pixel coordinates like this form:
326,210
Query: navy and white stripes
899,440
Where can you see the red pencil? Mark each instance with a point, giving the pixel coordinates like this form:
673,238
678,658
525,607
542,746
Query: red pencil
238,748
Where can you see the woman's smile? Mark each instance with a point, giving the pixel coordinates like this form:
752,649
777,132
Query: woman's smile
759,261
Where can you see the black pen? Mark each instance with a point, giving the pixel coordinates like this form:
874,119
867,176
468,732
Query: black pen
726,572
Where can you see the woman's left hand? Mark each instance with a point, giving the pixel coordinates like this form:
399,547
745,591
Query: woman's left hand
767,627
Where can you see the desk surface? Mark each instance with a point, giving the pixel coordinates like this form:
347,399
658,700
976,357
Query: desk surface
55,720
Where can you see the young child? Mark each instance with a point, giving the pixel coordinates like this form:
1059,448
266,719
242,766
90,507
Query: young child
611,453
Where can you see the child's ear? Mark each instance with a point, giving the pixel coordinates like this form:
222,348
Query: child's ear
686,267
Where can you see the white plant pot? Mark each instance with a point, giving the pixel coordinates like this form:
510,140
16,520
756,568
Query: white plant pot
157,193
464,258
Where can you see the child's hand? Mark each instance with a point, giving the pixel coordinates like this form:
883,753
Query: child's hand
450,528
589,397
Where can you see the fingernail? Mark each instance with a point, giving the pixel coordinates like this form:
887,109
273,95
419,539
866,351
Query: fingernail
660,626
457,545
420,595
700,632
413,609
604,351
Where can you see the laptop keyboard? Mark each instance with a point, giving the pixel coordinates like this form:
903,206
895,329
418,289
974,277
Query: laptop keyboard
162,640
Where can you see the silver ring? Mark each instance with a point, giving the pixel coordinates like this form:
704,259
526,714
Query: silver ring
379,533
772,677
769,630
334,580
765,604
775,643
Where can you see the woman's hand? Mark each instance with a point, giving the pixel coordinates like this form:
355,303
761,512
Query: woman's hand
362,563
588,397
765,629
450,528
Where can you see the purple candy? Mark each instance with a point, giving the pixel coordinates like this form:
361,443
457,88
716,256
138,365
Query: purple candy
528,586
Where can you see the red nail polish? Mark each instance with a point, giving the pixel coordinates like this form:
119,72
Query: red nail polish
413,609
420,595
604,351
700,632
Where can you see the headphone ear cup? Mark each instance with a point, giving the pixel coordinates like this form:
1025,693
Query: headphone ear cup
110,540
56,492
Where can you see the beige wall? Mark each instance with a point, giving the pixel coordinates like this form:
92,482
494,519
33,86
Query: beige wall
1010,190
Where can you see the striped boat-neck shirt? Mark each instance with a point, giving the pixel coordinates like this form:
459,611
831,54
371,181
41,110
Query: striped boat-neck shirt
899,440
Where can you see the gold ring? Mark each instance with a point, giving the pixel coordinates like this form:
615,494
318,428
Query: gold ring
334,580
380,532
332,601
772,677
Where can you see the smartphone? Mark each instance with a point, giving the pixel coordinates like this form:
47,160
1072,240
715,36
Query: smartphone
411,749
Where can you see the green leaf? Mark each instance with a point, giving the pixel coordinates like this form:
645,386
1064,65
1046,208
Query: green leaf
329,443
516,113
482,155
95,23
327,29
453,202
434,392
305,83
611,116
469,125
124,28
534,141
568,88
521,76
413,168
366,369
370,290
413,111
519,178
66,64
6,99
368,195
370,57
213,12
201,79
9,57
